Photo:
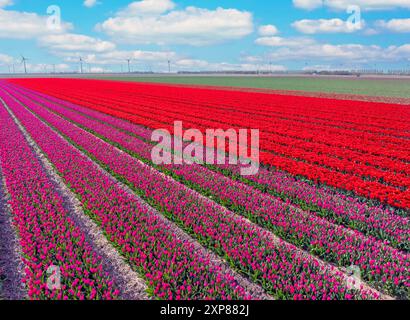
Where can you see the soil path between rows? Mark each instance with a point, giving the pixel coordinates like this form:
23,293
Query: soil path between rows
11,263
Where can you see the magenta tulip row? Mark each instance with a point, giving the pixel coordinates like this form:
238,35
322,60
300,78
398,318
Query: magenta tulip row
372,221
280,268
172,268
382,265
48,237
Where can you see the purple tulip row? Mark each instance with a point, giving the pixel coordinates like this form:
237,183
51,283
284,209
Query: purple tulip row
382,266
48,237
282,269
340,209
172,268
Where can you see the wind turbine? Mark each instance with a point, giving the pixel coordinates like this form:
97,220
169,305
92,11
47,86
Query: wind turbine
23,61
81,64
169,66
129,67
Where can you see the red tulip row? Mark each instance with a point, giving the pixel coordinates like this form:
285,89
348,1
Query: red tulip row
369,116
271,124
295,144
371,189
281,107
271,127
340,165
218,111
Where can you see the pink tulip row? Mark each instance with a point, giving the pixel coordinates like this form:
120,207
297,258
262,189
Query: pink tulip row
340,209
172,268
281,269
332,243
48,237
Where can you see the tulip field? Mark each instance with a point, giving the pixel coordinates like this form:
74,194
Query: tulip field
87,214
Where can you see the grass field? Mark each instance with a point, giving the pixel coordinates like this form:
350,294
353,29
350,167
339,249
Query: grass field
371,87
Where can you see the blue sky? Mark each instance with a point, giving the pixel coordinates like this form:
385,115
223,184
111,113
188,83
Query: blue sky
205,35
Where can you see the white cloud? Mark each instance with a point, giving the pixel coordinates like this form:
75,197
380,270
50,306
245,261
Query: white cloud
96,70
202,65
302,49
41,67
401,51
370,32
308,4
142,23
75,42
395,25
268,30
158,61
5,59
326,26
344,4
90,3
320,67
139,55
5,3
284,42
147,7
118,57
47,67
25,25
345,52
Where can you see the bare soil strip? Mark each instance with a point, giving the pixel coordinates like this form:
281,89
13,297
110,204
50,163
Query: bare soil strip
131,286
11,264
